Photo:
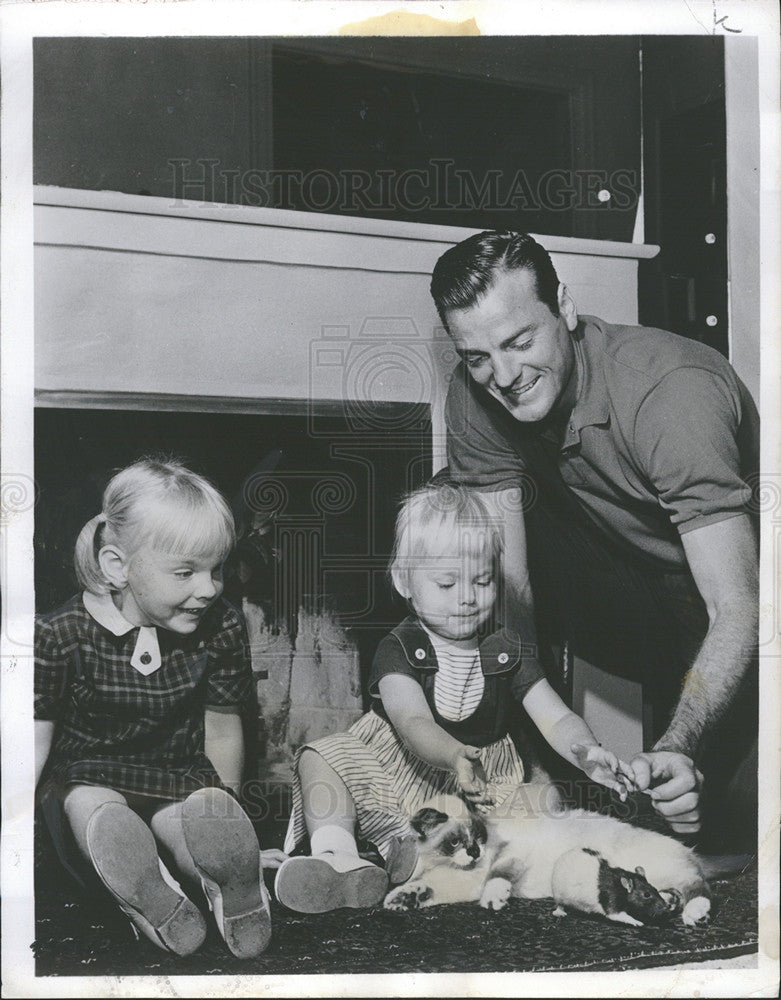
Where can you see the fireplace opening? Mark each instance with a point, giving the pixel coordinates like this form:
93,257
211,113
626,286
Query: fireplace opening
315,493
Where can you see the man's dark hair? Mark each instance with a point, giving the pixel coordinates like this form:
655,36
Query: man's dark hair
463,273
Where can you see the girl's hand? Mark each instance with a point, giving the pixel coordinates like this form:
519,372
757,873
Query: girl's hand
604,767
272,858
471,777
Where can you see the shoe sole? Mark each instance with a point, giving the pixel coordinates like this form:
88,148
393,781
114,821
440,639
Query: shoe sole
124,854
226,853
311,885
402,860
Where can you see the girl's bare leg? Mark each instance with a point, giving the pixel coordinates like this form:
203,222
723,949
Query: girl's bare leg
327,802
122,850
80,803
212,840
335,875
167,827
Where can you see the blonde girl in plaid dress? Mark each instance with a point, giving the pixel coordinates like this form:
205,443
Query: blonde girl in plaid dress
441,684
139,685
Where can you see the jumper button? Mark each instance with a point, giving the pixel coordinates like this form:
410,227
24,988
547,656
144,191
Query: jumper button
420,654
503,657
146,658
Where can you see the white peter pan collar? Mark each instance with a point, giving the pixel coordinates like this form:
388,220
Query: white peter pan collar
146,654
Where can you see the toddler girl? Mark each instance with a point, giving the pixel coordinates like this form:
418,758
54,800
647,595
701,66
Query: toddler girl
139,684
440,685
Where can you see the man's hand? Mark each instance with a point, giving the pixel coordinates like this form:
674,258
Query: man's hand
470,775
673,784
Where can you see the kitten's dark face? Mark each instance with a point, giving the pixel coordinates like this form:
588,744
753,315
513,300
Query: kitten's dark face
458,840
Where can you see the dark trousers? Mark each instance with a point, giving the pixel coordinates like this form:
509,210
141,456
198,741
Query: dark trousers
634,618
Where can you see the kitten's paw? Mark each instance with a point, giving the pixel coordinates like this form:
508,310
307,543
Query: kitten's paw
410,896
496,893
696,911
559,912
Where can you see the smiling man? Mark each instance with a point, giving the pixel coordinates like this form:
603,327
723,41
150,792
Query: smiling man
620,459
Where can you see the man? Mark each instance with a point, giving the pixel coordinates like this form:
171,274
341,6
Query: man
620,459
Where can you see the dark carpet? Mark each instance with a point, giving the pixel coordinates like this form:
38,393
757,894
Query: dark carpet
79,931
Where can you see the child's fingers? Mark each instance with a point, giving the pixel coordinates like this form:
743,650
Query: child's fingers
617,787
475,788
621,791
473,785
604,776
610,760
480,798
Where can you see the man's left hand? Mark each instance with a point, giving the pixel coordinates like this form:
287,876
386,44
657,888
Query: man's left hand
673,784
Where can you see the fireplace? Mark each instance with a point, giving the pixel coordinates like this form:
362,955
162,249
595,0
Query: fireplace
315,492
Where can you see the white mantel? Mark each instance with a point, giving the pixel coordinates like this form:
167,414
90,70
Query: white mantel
145,297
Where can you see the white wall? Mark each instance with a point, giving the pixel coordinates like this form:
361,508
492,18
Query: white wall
741,71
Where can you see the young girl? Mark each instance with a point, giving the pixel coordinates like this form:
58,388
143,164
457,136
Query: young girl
438,722
139,684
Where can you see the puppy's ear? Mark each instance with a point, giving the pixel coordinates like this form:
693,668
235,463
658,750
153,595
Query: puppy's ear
427,819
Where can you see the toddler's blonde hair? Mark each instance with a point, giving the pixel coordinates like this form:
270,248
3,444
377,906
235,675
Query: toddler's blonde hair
445,519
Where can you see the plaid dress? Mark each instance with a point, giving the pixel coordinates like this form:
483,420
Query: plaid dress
138,734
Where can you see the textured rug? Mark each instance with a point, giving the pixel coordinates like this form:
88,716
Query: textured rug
81,932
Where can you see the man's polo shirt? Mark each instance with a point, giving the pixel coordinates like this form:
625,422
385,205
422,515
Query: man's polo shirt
663,438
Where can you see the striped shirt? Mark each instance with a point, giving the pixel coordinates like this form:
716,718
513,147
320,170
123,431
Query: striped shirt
459,683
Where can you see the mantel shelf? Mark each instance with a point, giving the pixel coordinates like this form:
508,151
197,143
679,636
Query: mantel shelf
278,219
143,302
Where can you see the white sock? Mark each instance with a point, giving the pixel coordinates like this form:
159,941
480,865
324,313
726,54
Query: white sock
333,838
169,879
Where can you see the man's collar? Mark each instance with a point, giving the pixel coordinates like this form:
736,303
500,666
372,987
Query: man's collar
106,613
592,405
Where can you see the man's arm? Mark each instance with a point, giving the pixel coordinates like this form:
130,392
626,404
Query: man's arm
517,611
723,561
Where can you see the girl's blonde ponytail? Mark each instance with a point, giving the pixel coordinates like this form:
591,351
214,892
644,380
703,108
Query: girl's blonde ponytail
85,556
